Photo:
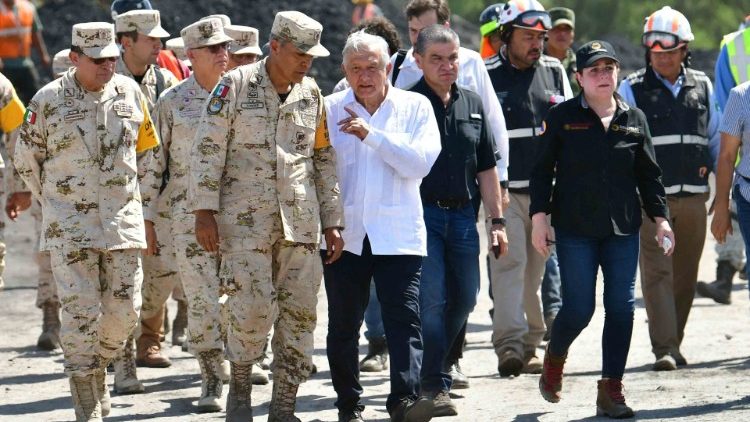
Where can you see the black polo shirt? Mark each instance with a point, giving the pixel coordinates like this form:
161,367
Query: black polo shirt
468,146
598,174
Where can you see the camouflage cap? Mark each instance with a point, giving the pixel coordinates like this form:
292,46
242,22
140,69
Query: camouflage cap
146,22
245,40
61,62
204,33
177,46
225,21
301,30
95,39
562,16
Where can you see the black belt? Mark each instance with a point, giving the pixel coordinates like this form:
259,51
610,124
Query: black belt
449,204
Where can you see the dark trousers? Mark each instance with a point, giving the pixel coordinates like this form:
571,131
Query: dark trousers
580,258
25,80
347,283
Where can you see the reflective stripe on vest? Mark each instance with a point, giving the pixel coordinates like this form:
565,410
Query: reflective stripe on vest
671,190
518,184
527,132
679,139
15,32
738,50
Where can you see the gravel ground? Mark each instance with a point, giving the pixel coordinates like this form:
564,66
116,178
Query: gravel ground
711,388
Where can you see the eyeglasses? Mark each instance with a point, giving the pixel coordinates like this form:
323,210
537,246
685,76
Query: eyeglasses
533,19
665,40
216,48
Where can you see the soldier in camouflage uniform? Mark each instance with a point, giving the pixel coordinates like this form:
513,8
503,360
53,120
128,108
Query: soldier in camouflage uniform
18,200
11,117
175,116
83,148
139,32
244,48
262,184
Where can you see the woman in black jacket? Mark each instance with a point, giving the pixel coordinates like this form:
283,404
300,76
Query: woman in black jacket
599,152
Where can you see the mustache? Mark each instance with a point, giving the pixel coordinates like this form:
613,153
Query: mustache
535,50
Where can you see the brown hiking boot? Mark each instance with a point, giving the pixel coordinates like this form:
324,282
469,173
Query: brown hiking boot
239,407
85,399
50,337
510,364
609,400
179,325
210,400
531,363
283,400
149,354
550,383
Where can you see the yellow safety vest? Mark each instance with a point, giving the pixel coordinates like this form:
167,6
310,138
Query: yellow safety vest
738,50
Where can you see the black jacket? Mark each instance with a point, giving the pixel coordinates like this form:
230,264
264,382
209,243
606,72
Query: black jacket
598,174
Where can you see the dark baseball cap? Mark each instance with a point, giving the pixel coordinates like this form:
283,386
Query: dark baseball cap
562,16
592,51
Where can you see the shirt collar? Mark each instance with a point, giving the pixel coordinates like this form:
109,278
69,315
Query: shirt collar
677,83
423,88
351,100
621,104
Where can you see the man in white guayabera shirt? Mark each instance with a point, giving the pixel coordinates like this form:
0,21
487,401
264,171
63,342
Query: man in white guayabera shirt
386,141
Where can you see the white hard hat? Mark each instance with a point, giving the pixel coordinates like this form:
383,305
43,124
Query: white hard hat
525,14
667,21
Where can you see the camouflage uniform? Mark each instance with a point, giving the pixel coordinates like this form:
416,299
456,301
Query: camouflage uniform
259,164
11,117
175,116
82,155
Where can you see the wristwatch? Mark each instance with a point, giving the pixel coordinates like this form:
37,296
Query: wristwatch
497,221
504,184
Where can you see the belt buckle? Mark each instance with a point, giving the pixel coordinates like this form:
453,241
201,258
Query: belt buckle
440,203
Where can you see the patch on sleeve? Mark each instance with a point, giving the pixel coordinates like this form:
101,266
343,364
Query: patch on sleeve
215,105
220,91
30,117
12,115
322,137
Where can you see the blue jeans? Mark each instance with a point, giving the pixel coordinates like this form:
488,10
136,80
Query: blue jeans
743,217
580,257
551,300
448,288
347,283
373,318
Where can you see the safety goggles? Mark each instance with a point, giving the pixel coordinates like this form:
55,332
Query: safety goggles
664,40
534,19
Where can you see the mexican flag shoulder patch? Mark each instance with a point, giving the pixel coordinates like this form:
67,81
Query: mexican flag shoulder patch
30,117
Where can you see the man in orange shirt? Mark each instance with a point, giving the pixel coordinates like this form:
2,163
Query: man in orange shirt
20,29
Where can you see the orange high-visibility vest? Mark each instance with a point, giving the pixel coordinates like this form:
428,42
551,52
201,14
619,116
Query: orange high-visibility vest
15,30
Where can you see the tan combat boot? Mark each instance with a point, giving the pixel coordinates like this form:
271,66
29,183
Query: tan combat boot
283,400
101,385
50,337
126,378
85,399
210,382
149,353
609,400
550,383
179,326
239,408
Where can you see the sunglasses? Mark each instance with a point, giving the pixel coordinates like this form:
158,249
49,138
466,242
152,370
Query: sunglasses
664,40
534,19
102,60
216,48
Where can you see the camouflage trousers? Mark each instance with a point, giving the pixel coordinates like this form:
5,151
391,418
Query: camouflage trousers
160,277
47,288
100,292
273,286
200,280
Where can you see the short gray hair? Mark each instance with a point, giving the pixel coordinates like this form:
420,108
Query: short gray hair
435,34
361,41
